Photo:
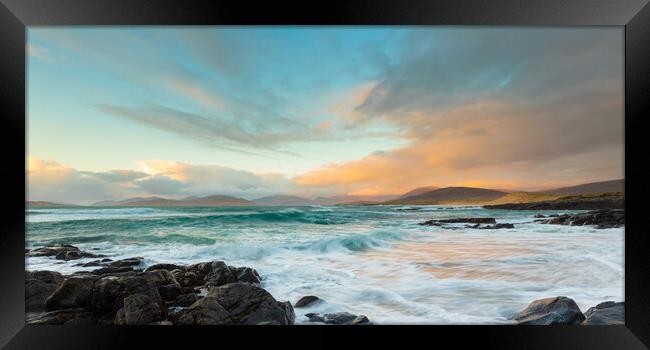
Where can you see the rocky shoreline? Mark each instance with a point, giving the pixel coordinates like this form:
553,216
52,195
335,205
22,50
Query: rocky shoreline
601,219
564,311
120,292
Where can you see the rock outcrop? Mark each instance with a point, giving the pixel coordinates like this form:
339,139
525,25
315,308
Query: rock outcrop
605,313
62,252
248,304
119,294
550,311
339,318
600,218
307,300
459,221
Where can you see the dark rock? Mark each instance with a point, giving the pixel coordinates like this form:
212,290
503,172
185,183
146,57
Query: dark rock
139,309
495,226
539,216
549,311
169,292
339,318
109,292
112,270
220,277
459,221
246,275
62,252
307,300
206,268
76,316
36,292
605,313
206,311
185,300
314,317
601,218
51,277
127,262
168,267
187,278
74,292
248,304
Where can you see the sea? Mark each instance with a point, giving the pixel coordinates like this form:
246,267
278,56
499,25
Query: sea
370,260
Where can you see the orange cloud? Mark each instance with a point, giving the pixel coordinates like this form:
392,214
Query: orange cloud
484,144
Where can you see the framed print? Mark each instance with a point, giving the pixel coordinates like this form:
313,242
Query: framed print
375,170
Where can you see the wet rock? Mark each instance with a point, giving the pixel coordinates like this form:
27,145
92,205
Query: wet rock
549,311
62,252
112,270
36,293
127,262
51,277
109,292
187,278
458,221
246,275
76,316
185,300
601,218
169,292
74,292
168,267
206,311
605,313
307,300
220,277
248,304
495,226
339,318
539,216
139,309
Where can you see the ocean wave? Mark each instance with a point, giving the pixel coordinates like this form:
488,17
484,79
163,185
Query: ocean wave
355,242
195,219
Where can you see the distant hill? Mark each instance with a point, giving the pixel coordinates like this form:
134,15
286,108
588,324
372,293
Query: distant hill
418,191
359,203
125,201
612,200
214,200
34,204
334,200
524,197
283,200
589,188
452,195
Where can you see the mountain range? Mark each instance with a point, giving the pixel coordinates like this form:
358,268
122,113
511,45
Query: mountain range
418,196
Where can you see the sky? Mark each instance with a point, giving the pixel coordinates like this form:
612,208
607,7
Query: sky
117,112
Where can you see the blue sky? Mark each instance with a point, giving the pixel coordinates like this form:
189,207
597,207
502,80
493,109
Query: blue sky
249,111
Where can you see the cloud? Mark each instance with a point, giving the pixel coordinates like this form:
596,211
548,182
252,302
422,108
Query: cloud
51,181
215,179
117,176
216,131
39,52
160,184
496,108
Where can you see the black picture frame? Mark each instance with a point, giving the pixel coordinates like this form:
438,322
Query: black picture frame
634,15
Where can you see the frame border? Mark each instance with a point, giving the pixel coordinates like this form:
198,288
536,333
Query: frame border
16,15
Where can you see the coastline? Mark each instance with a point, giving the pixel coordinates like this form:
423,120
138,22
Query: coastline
346,260
121,292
